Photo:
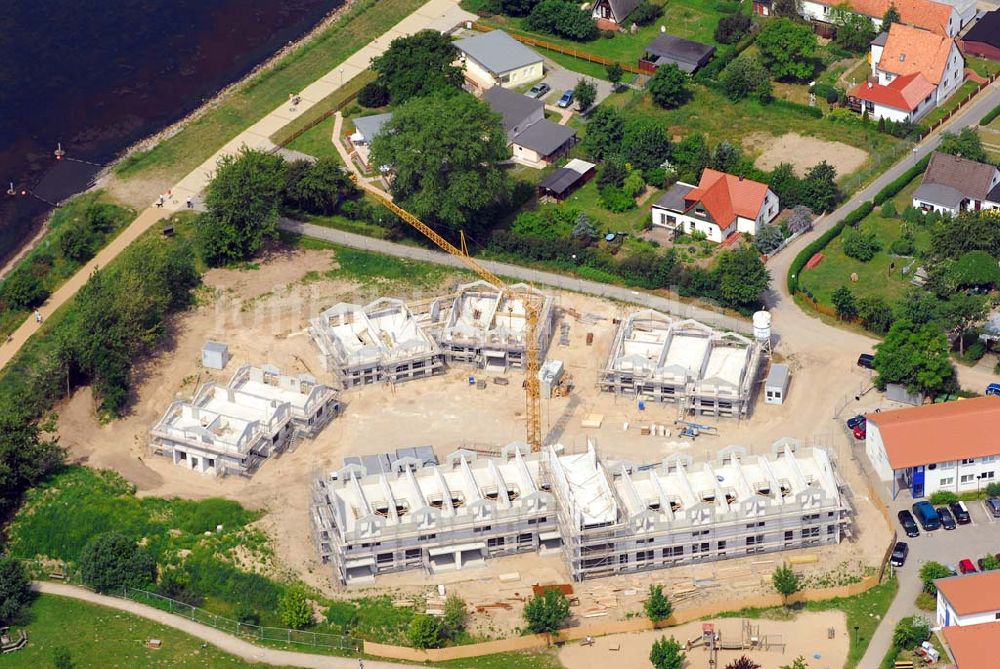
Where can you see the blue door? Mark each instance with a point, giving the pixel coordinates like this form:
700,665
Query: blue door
918,482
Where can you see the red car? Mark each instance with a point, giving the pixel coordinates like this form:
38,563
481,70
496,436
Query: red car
860,431
966,567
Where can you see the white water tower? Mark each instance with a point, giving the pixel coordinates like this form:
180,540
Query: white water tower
762,330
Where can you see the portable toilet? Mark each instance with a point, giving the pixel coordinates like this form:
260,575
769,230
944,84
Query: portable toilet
776,385
214,355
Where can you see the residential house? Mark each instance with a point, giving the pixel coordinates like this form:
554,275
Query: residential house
365,130
952,184
497,59
930,67
719,206
534,140
983,39
969,599
937,17
684,53
611,14
950,446
973,647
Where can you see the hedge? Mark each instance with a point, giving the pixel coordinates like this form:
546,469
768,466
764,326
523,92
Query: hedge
992,115
900,182
820,243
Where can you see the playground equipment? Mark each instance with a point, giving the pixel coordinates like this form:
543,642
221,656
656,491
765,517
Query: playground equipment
749,639
694,429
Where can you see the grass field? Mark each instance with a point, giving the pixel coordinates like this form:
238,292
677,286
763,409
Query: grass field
96,636
982,66
951,103
317,141
178,155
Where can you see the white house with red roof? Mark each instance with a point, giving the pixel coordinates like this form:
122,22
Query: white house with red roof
913,71
969,599
943,18
719,206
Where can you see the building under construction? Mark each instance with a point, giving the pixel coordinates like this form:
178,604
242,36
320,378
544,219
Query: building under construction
231,429
605,518
706,371
488,329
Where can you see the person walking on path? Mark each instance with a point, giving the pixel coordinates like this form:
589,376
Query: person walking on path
38,316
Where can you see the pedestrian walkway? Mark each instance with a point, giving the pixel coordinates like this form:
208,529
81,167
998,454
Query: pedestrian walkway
226,642
442,15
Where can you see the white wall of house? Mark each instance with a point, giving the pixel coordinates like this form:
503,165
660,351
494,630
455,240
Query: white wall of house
816,11
946,616
962,475
688,224
930,206
973,204
482,77
527,156
768,210
876,452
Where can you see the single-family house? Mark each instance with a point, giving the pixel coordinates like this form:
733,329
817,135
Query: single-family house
913,71
563,181
950,446
497,59
952,184
969,599
983,39
611,14
534,140
365,130
686,54
719,206
934,16
973,647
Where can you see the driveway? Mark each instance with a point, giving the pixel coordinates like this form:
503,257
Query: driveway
561,79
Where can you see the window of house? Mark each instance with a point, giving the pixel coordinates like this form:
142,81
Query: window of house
412,554
968,461
967,478
950,480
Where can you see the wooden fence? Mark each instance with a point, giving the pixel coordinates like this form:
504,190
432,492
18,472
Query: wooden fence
558,48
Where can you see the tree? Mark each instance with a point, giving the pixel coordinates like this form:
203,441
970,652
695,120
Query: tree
584,229
658,607
787,49
743,662
910,632
666,654
786,184
456,616
875,314
797,663
668,87
242,202
24,290
645,13
819,188
746,77
615,73
516,7
373,94
61,658
585,92
742,278
726,157
605,129
15,588
891,16
294,610
785,581
732,27
317,188
424,631
445,155
418,65
76,242
931,571
915,356
975,269
768,239
788,9
961,312
546,613
612,174
801,219
965,144
918,306
562,18
644,143
691,157
854,31
844,304
111,560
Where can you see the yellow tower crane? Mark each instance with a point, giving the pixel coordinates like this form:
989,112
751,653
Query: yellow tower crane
530,300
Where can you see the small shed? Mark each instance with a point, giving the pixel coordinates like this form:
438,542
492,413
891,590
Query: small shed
896,392
549,376
565,180
776,385
214,355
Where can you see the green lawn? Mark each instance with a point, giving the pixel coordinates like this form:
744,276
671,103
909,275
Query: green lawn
526,660
317,141
956,99
96,636
874,276
982,66
175,157
586,199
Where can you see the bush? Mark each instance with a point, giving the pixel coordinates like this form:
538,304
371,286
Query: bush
246,614
562,18
424,632
547,612
888,209
655,177
995,112
910,632
931,571
731,28
616,200
668,87
904,246
746,77
942,497
860,245
993,490
373,94
15,588
644,14
111,560
293,609
900,182
24,290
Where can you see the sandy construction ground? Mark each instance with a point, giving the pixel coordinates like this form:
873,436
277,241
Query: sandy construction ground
262,315
803,152
806,635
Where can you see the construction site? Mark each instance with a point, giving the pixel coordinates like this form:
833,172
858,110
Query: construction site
706,372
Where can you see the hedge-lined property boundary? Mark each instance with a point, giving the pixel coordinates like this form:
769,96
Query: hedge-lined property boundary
900,182
820,243
989,118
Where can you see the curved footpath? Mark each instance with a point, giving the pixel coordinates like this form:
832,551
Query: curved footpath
226,642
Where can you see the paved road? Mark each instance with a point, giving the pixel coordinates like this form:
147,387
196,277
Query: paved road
223,641
538,277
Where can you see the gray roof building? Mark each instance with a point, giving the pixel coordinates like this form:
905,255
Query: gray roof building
497,52
951,180
544,137
369,126
515,108
614,10
673,199
684,53
880,39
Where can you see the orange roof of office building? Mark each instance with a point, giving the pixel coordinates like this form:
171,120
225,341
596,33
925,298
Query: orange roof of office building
908,50
725,196
924,14
971,593
904,92
939,432
974,646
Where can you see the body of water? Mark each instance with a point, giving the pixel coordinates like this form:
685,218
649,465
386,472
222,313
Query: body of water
99,75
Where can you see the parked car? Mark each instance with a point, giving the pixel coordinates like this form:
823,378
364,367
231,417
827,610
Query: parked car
947,520
993,506
860,431
866,360
857,420
899,553
993,389
538,90
966,567
927,515
566,100
961,512
909,525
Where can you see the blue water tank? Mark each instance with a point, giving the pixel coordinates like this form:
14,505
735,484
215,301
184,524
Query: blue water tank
642,405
